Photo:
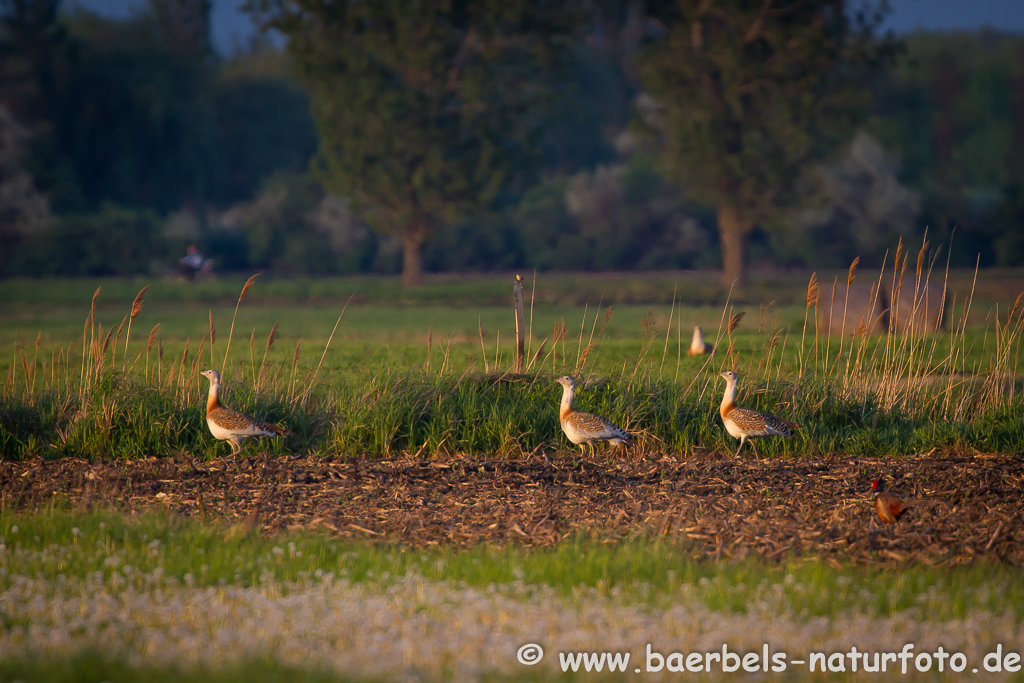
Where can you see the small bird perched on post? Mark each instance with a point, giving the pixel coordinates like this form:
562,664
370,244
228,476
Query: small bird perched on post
230,425
586,428
888,506
698,347
743,423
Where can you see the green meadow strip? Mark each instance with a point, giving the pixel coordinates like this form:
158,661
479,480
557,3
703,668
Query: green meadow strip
150,550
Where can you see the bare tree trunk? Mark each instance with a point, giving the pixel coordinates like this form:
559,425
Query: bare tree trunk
733,230
412,254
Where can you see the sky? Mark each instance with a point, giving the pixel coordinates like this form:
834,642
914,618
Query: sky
232,27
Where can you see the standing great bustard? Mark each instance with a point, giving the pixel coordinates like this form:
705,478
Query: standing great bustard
230,425
699,347
586,428
743,423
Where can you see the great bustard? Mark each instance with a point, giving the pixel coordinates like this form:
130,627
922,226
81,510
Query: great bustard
699,347
743,423
230,425
586,428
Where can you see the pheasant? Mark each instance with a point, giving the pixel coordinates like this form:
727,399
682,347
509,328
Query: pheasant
586,428
230,425
888,506
744,424
698,347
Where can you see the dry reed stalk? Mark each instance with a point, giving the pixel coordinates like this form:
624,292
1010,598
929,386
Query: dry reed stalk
582,361
579,345
430,345
562,334
252,357
199,353
734,321
295,360
812,300
20,350
734,324
483,349
213,339
446,356
828,339
181,367
245,288
149,345
650,335
35,359
1015,308
266,349
309,386
679,346
668,330
136,309
876,292
708,380
106,342
497,347
850,275
90,325
117,337
540,350
533,294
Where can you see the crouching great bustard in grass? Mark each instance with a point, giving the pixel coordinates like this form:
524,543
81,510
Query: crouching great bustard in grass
888,506
586,428
744,423
231,425
699,347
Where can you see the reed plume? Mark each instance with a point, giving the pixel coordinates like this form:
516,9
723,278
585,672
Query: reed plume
734,321
270,342
149,345
245,288
136,309
812,300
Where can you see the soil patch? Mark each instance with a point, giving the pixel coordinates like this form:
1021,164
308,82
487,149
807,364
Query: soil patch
965,507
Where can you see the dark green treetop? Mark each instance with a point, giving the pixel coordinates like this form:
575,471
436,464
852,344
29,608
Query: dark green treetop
426,109
743,94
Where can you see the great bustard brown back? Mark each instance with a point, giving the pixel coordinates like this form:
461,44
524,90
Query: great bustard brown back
744,424
230,425
586,429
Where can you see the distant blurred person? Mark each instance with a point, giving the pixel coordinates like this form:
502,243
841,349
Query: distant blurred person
193,263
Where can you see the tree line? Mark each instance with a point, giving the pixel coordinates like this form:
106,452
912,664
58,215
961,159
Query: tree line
422,135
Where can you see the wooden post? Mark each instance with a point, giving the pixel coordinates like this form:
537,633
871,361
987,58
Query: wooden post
517,295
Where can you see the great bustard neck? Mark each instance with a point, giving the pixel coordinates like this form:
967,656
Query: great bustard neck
212,398
729,399
566,406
